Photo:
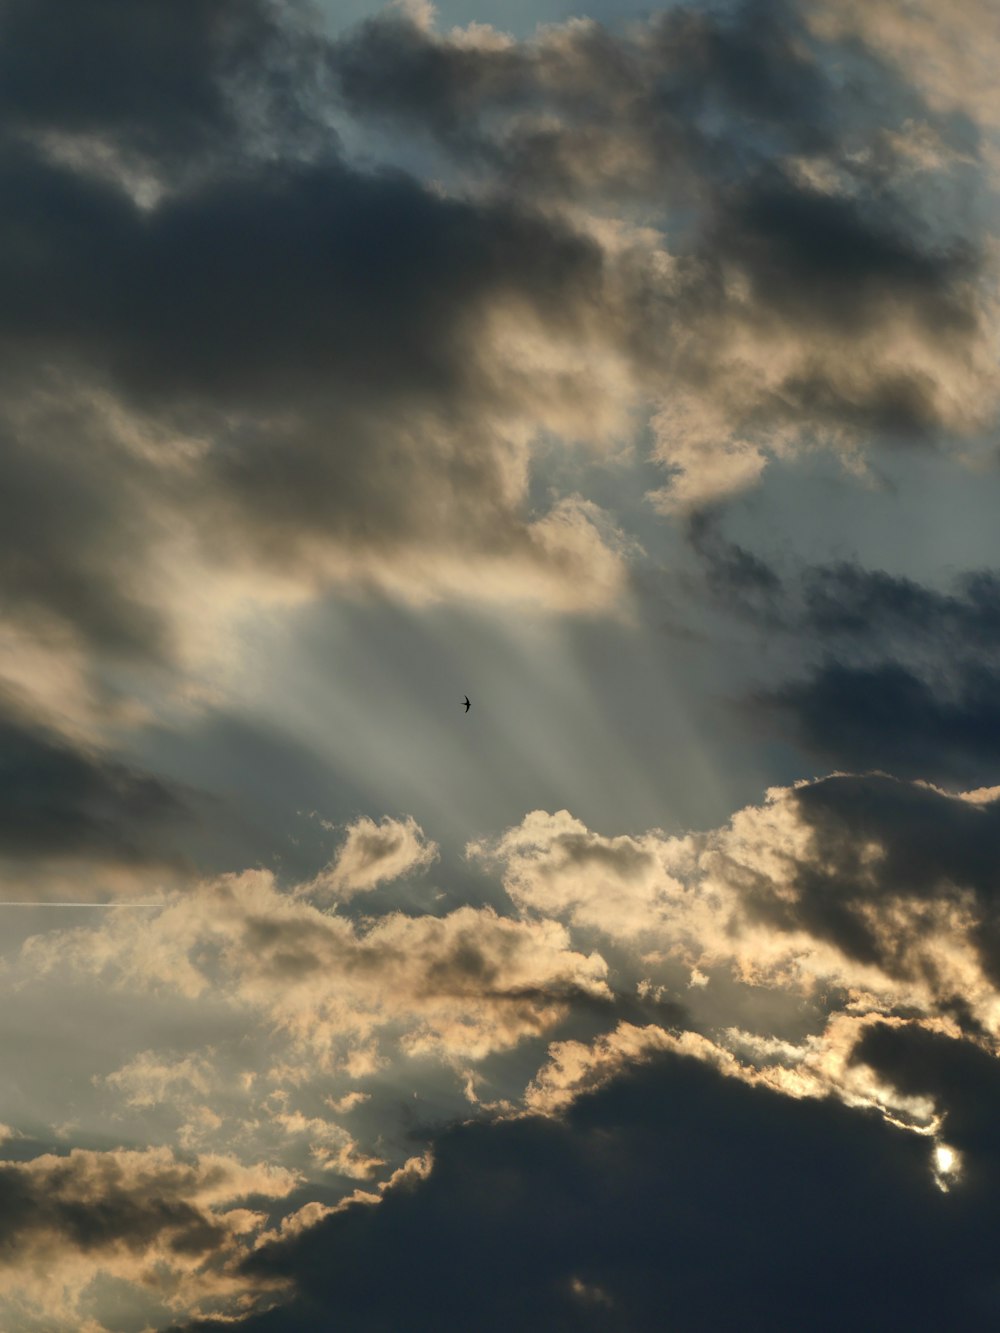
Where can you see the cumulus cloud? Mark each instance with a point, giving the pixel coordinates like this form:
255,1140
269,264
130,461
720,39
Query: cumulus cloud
872,898
556,867
869,888
805,270
290,372
866,902
464,984
373,853
352,410
144,1217
946,56
825,1064
149,1078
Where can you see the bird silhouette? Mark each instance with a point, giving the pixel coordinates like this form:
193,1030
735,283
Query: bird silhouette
467,704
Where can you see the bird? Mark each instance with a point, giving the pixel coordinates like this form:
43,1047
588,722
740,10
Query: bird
467,704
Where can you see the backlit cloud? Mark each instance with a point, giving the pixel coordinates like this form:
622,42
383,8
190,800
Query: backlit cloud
144,1217
466,984
373,853
637,378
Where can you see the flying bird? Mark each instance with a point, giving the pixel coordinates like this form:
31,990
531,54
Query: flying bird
467,704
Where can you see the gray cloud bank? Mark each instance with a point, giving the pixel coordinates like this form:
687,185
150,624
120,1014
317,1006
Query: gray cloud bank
673,1178
672,1194
865,902
299,370
899,675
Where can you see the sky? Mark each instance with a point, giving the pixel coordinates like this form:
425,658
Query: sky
632,372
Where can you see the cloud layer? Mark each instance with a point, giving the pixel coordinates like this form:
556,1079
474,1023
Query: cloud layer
858,912
672,1188
299,370
898,674
297,325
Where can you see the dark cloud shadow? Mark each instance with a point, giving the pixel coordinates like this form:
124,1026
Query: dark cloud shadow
899,675
58,800
672,1193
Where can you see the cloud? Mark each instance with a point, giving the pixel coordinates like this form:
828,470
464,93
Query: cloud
844,603
811,271
670,1187
62,801
301,372
960,1075
894,863
344,353
149,1079
888,714
257,349
898,673
240,368
132,80
946,57
554,866
822,1065
462,985
374,853
905,681
832,914
575,1068
330,1146
145,1217
66,533
868,886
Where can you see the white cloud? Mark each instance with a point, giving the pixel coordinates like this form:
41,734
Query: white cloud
373,854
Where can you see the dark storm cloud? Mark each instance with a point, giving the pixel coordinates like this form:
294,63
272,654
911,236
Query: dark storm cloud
846,603
344,350
265,283
928,709
738,578
957,1074
160,81
814,258
71,547
902,675
671,1193
892,717
58,800
350,303
323,328
272,282
292,281
845,599
653,89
